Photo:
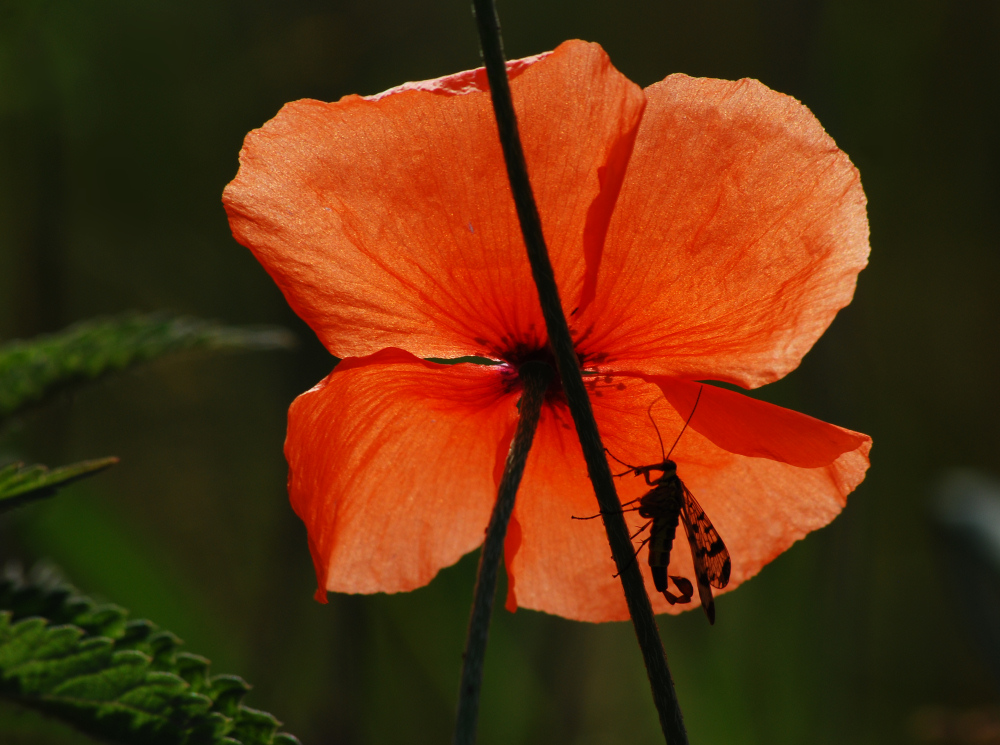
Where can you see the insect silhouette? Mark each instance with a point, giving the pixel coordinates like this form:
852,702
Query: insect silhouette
667,503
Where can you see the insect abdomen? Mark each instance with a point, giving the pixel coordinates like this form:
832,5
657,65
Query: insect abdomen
660,543
663,505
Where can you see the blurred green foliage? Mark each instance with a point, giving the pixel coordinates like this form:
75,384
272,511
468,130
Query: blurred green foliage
32,369
20,483
120,124
64,655
123,680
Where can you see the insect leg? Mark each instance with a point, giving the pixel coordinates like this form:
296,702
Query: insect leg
616,574
616,512
631,537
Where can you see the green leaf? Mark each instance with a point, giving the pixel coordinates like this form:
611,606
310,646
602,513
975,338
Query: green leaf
121,680
20,483
32,369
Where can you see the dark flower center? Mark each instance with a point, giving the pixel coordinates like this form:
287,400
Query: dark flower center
519,355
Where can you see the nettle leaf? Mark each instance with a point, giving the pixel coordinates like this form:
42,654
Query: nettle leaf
20,483
34,368
123,680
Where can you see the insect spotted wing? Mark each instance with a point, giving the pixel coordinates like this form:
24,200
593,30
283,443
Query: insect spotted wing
709,554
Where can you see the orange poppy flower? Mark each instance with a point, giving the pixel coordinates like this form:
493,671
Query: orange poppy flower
699,230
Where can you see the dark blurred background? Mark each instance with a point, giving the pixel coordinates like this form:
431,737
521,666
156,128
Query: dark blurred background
120,122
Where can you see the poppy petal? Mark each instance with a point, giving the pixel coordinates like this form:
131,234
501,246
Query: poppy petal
772,487
746,426
738,235
388,221
392,467
562,565
555,563
758,504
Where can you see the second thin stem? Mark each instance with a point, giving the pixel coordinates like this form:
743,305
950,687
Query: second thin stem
535,377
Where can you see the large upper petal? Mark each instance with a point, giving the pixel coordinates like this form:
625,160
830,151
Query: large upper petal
393,467
388,221
785,475
738,234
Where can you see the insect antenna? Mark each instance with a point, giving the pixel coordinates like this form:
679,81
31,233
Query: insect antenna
649,413
690,416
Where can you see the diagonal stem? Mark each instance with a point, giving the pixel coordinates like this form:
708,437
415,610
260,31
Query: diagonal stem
535,378
567,363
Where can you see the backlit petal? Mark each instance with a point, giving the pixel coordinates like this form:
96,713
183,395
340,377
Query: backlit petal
554,563
388,221
738,234
393,467
759,505
746,426
560,565
766,476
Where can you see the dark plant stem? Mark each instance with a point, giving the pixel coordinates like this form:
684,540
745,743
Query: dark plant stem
567,363
535,378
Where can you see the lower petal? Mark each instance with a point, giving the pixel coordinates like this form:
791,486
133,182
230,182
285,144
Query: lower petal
766,476
759,503
555,563
562,565
393,464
